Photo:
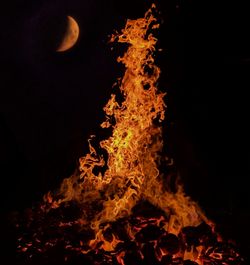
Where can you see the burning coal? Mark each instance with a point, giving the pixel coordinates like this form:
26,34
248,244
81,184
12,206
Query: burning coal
120,210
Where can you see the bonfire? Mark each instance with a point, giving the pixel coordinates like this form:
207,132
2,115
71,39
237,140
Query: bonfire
118,207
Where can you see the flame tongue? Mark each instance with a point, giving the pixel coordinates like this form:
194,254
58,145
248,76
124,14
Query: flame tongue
134,145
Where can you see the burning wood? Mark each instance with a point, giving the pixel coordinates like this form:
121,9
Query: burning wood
120,211
128,240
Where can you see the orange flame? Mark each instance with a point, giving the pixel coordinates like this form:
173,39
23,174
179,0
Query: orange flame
133,149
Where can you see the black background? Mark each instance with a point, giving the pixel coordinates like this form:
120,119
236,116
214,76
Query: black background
51,102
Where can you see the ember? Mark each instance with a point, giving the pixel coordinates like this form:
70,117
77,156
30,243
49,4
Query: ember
128,240
120,211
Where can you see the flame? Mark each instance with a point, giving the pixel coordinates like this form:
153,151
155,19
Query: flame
107,190
134,149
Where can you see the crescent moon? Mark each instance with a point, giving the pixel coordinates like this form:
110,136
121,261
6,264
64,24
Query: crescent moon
71,35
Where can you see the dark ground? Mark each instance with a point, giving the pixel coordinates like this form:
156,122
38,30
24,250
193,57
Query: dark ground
50,103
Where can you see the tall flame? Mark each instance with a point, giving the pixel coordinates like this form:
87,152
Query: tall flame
134,148
112,182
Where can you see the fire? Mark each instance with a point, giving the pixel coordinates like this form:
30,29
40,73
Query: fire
108,191
134,149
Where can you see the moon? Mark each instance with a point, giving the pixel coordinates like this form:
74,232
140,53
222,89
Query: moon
71,35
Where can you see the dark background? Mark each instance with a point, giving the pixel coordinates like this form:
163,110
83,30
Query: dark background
51,102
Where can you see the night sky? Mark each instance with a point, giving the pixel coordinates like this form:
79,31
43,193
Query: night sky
52,102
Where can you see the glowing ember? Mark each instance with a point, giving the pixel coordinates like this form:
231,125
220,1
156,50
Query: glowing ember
119,210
